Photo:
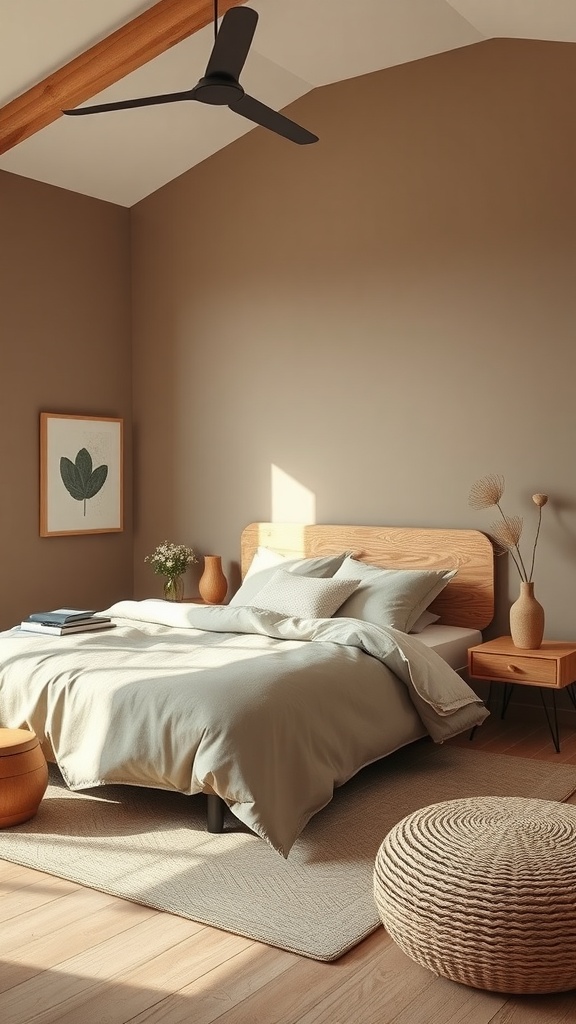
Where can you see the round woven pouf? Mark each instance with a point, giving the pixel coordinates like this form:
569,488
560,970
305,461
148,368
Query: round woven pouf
483,891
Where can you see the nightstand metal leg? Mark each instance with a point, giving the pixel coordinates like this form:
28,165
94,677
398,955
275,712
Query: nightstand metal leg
552,719
571,693
506,695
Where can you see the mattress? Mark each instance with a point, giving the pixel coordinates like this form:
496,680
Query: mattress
451,643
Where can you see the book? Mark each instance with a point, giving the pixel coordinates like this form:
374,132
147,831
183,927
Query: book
55,629
94,620
62,615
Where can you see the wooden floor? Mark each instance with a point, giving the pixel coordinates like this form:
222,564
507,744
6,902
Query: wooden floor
74,956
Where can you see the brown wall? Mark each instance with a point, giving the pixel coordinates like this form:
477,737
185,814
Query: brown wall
385,316
64,347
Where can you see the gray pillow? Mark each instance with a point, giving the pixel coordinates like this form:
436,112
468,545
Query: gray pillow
390,597
322,567
426,619
303,597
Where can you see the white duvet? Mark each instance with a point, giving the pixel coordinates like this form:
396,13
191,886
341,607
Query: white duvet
267,712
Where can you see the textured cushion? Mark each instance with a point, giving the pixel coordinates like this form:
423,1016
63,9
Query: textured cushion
391,597
322,567
303,597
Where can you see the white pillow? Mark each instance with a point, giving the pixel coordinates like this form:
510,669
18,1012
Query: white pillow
264,558
303,597
322,567
391,597
426,619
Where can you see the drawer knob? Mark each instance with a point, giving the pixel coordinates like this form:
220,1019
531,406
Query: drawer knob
513,668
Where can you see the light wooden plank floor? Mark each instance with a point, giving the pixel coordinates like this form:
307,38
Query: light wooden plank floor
75,956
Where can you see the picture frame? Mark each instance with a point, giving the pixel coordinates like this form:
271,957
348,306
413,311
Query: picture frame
81,474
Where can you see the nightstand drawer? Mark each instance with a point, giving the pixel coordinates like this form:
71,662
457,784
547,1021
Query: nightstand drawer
514,668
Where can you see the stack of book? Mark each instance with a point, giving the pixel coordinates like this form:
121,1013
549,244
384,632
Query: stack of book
62,621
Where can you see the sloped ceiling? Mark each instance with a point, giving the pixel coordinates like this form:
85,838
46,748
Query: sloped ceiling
299,45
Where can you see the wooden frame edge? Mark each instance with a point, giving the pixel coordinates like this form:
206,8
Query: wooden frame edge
43,477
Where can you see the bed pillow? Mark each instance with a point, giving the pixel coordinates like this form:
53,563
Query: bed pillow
264,558
322,567
303,597
426,619
391,597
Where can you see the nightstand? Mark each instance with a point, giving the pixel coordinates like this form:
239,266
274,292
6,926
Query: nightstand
551,667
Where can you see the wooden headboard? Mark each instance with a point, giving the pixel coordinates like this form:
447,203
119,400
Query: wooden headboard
468,600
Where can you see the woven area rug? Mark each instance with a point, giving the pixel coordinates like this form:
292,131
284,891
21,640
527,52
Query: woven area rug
152,847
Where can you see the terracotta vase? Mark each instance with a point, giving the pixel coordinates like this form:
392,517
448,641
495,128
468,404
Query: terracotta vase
213,584
527,620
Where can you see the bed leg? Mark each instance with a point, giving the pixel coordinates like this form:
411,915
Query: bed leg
215,813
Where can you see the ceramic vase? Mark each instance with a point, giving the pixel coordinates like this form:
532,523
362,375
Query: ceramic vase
173,588
527,620
213,584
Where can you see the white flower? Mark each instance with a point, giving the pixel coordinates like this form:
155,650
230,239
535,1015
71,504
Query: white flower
170,559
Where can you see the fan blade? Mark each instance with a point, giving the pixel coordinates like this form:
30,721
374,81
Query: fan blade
268,118
232,43
143,101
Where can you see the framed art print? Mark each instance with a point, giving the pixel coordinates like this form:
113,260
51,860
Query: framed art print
80,474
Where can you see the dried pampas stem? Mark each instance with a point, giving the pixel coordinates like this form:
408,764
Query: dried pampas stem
487,493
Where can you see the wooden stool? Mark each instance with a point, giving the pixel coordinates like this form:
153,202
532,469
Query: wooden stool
23,776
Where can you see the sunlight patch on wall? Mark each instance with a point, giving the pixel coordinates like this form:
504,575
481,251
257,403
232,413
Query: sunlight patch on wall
291,502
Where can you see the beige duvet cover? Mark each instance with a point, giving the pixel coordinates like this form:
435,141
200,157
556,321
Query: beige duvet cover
269,713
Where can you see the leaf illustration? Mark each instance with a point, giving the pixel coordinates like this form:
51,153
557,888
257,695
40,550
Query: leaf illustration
81,482
96,481
71,480
84,466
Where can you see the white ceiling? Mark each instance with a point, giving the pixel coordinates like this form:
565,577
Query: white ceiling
299,45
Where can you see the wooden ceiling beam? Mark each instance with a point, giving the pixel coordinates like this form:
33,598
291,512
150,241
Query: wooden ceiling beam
153,32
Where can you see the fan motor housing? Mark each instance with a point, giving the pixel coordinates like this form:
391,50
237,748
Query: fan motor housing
220,90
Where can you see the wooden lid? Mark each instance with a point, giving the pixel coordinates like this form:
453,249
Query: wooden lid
15,741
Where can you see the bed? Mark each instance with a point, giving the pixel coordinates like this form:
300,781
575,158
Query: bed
269,703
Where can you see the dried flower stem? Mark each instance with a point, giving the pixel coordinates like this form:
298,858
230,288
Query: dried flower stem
518,561
535,542
487,493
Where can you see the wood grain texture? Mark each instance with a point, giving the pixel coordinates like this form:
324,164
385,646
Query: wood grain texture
468,600
553,664
128,48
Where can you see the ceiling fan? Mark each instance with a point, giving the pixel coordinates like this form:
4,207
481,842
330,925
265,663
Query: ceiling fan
219,85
